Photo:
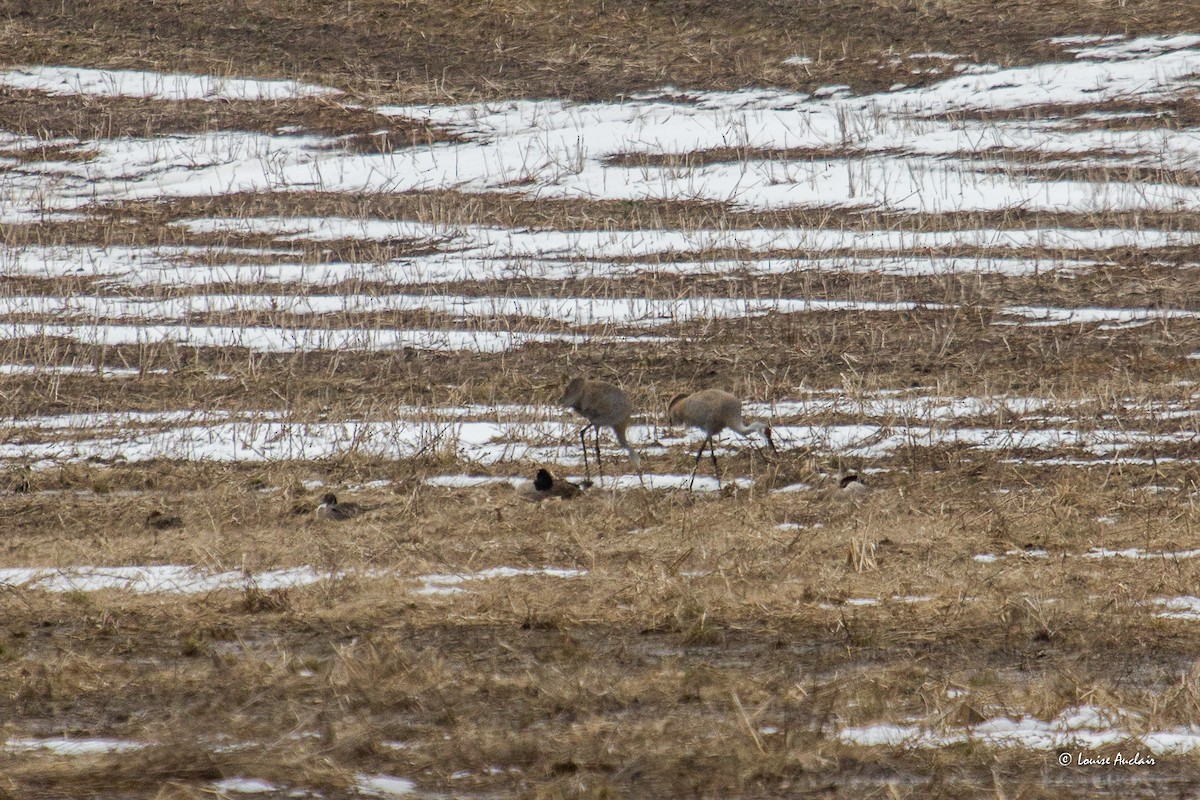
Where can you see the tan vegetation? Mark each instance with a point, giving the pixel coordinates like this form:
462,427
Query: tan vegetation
463,51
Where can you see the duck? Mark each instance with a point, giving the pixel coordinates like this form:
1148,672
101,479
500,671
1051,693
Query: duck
852,486
331,509
546,486
162,521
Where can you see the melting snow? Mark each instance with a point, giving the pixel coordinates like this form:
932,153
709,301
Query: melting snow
571,310
907,153
1086,727
287,340
384,785
177,579
450,583
1186,607
1135,553
243,786
471,481
72,747
76,369
153,85
268,436
171,578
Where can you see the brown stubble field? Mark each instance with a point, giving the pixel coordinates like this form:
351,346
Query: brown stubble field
708,644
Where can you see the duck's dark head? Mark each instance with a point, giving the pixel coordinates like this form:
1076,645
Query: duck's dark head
543,481
847,480
330,499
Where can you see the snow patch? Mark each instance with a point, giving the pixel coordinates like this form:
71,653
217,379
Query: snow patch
384,785
154,85
1082,727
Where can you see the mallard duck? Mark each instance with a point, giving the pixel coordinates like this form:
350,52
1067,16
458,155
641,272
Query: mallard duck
546,486
331,509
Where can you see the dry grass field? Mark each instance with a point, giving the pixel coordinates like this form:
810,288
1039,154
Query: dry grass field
254,253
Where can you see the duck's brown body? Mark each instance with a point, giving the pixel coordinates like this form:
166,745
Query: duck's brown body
331,509
545,486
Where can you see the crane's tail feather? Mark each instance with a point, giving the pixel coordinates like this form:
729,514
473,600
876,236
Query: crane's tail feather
634,458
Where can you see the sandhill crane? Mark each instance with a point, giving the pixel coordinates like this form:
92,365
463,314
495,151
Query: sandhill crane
331,509
712,411
604,405
546,486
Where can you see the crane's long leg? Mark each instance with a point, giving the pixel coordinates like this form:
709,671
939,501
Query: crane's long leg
587,474
599,466
699,455
712,451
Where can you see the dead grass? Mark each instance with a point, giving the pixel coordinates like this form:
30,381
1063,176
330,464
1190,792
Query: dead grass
452,208
463,51
697,626
98,118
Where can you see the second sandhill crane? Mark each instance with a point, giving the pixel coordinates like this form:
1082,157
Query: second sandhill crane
712,411
605,406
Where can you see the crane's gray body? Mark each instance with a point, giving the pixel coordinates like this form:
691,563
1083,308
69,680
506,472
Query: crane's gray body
712,411
605,405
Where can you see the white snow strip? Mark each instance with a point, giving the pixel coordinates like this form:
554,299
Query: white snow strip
71,747
641,312
1133,553
153,85
1138,554
287,340
154,579
481,242
1084,727
578,312
77,369
180,579
1185,607
471,481
266,436
243,786
174,267
892,407
451,583
384,785
990,558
